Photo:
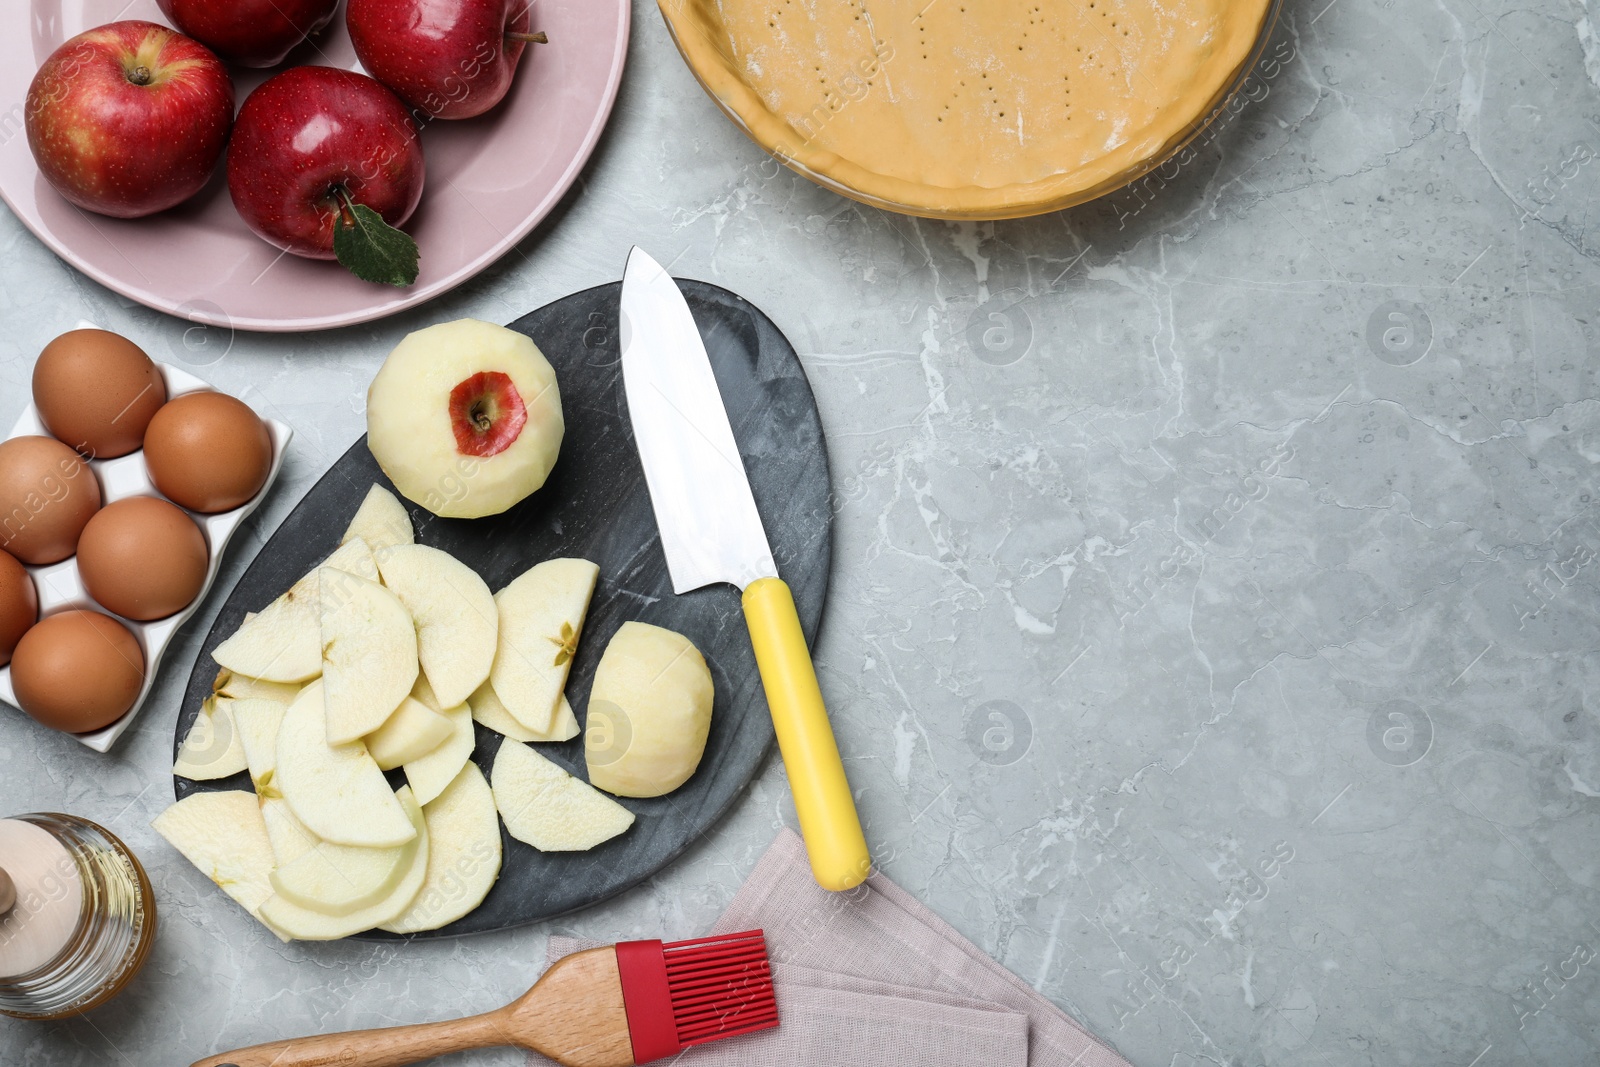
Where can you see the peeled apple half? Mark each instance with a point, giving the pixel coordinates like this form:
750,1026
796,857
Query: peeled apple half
649,712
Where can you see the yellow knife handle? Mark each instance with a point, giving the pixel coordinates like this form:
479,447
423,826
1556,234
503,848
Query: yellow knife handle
822,797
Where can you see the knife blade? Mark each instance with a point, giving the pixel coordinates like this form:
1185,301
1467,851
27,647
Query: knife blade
711,532
710,529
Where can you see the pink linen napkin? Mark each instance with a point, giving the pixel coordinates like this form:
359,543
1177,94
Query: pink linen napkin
873,977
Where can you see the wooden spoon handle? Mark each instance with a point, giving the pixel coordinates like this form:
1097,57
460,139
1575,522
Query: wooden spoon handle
391,1047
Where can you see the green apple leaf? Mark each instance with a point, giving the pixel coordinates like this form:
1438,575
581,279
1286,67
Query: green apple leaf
373,250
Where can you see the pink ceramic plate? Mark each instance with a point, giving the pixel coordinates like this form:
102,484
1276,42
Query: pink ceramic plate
490,180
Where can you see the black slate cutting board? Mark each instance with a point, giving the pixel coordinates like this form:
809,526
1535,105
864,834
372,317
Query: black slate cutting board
595,505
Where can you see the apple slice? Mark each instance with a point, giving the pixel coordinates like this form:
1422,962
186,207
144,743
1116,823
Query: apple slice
380,521
565,726
284,642
339,880
463,854
369,654
258,722
488,710
433,773
541,616
289,836
336,790
413,731
224,836
455,614
548,808
239,687
212,748
309,925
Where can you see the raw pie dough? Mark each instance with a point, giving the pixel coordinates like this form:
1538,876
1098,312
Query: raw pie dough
968,108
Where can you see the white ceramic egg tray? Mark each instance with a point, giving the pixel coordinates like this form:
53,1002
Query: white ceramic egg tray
61,588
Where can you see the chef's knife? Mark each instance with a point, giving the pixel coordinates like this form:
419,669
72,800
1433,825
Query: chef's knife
711,532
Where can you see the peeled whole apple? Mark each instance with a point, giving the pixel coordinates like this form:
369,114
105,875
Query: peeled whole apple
465,418
251,33
312,143
129,119
449,59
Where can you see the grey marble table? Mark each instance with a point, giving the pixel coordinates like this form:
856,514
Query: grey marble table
1213,619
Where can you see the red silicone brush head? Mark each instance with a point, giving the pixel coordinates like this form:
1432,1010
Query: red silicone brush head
691,992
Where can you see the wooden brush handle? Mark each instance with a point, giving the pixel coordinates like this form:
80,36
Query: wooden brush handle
390,1047
574,1015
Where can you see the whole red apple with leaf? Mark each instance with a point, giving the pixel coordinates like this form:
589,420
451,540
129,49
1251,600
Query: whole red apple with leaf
326,164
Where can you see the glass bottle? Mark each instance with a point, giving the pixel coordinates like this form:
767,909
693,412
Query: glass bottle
77,916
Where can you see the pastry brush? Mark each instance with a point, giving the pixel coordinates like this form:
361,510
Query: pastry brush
617,1006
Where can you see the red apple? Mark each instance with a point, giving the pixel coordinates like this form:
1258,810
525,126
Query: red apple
129,119
312,143
449,59
251,33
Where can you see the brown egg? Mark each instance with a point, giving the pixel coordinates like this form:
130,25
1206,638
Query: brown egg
208,451
19,604
142,558
97,391
47,494
77,671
